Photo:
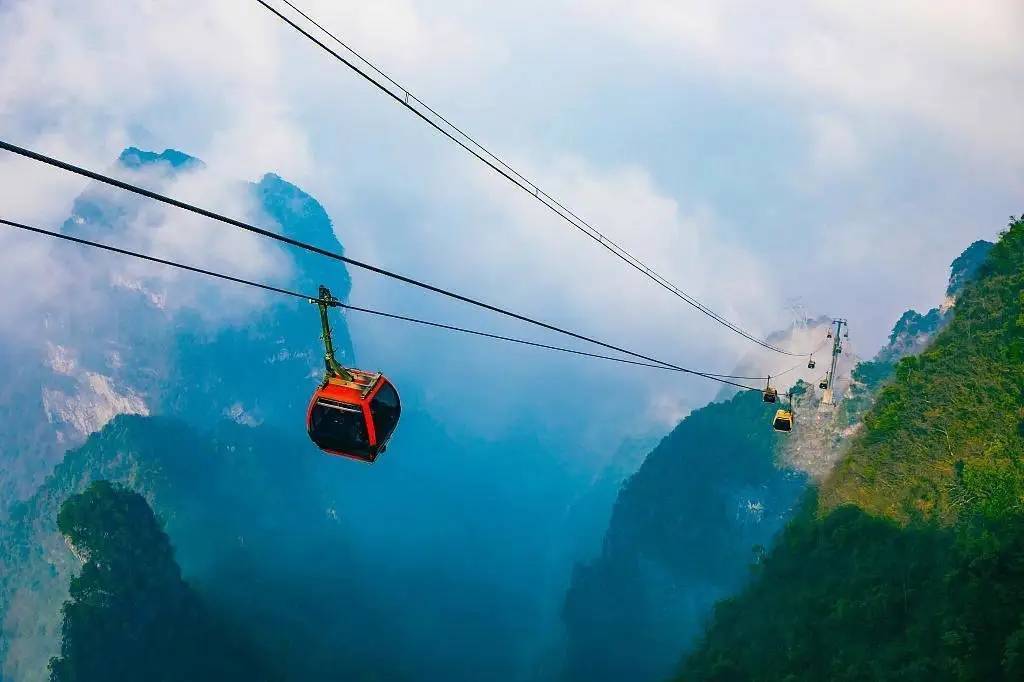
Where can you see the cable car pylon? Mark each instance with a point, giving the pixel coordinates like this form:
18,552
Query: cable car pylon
828,383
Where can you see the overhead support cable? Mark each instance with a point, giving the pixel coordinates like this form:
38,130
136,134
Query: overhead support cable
206,213
445,127
336,303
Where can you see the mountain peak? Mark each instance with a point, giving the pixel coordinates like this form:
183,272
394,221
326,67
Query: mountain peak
965,266
134,158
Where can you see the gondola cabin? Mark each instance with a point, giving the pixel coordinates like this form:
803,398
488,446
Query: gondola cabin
770,394
353,413
783,421
354,418
811,364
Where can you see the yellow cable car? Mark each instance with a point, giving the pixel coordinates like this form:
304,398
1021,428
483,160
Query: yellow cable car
783,421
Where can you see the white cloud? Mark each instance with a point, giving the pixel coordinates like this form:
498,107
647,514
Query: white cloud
588,284
420,43
84,80
953,66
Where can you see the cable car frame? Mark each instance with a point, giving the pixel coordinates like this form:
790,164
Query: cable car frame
353,413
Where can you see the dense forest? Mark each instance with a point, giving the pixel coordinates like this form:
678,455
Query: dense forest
130,616
909,562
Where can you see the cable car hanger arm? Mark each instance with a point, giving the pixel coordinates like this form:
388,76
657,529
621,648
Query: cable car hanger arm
331,363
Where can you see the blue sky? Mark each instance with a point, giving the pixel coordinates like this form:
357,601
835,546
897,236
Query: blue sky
812,152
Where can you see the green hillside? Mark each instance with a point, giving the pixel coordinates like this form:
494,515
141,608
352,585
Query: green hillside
944,436
909,565
130,616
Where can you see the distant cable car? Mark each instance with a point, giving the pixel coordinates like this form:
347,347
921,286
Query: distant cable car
783,421
353,413
829,336
823,384
811,364
770,394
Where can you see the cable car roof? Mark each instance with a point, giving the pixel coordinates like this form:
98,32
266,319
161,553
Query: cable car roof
362,381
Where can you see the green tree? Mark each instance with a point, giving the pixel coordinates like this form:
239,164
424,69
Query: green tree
130,615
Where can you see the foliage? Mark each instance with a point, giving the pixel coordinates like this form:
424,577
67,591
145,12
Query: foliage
910,564
855,597
872,373
966,266
956,407
130,615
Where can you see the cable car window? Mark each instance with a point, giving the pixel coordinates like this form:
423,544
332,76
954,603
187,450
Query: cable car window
339,427
385,409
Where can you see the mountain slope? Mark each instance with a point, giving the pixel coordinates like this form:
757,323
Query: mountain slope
130,615
947,428
910,566
664,560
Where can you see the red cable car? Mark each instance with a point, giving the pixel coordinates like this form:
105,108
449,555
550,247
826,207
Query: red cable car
353,413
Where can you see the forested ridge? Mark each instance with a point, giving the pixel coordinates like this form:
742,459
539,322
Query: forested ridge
130,616
909,562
